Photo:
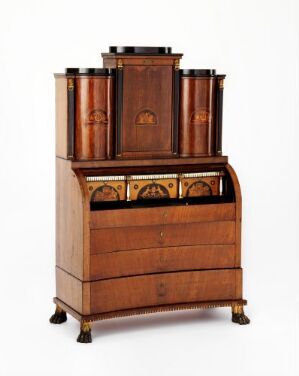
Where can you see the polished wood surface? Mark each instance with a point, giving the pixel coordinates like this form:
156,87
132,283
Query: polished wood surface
238,200
164,259
151,162
162,236
147,108
61,115
150,241
169,288
197,117
94,117
133,255
162,215
111,60
69,289
69,220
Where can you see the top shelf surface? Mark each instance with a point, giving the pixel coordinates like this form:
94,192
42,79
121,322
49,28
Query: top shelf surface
149,162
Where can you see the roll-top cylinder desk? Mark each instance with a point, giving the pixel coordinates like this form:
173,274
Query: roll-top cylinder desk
148,210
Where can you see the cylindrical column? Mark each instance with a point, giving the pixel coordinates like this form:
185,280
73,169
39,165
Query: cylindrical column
94,113
198,112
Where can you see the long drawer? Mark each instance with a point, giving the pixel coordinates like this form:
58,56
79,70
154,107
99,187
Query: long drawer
157,260
161,215
168,288
142,237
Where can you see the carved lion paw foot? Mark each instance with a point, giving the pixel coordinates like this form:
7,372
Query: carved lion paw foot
84,337
240,318
58,318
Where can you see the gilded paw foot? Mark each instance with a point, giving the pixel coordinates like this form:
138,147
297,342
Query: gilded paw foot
238,315
59,316
85,333
240,318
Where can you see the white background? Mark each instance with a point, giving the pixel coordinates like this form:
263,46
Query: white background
256,44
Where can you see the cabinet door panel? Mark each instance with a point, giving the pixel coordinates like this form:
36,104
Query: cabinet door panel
147,111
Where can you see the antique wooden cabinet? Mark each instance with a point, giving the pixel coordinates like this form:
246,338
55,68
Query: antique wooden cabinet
148,211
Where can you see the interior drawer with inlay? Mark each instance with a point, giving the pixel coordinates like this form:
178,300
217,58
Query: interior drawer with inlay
168,288
157,260
139,237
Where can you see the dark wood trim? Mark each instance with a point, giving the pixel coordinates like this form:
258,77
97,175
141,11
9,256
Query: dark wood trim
149,162
140,50
219,115
71,98
175,110
197,72
89,71
146,310
119,109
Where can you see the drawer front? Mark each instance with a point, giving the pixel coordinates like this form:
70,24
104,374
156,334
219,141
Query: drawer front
157,260
144,291
141,237
107,190
203,186
153,189
161,215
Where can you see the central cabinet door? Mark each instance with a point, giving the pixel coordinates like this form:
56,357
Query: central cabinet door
146,122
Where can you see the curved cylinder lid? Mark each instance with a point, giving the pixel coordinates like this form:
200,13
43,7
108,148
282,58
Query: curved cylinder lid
89,71
198,72
140,50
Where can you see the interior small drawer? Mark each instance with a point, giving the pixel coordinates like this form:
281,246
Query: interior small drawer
157,260
167,288
162,215
142,237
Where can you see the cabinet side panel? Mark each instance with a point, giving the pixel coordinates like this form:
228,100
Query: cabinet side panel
69,220
238,227
61,116
69,290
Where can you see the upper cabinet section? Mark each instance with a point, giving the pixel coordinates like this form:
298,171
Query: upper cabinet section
140,105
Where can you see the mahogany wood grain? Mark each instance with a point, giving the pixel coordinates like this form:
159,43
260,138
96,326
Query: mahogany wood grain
147,89
162,215
94,117
69,289
86,220
158,289
73,292
61,116
111,60
69,220
157,260
197,117
151,162
138,237
238,200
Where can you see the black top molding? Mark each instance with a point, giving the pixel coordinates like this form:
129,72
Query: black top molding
90,71
140,50
198,72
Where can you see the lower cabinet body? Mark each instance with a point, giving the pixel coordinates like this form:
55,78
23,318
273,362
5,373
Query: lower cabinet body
149,290
146,257
126,261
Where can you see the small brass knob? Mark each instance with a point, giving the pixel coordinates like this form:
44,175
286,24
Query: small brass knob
161,234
